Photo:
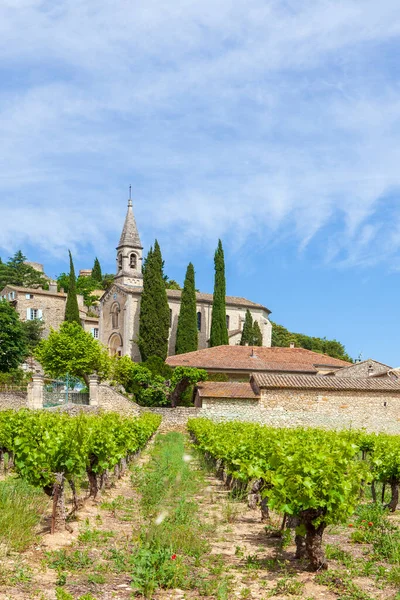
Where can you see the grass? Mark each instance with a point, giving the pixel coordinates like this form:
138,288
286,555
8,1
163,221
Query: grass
21,508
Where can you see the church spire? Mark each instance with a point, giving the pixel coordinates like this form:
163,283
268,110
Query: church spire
130,235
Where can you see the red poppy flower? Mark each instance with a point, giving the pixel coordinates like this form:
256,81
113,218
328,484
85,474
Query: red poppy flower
173,557
370,524
351,525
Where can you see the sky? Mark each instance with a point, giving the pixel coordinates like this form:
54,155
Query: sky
273,125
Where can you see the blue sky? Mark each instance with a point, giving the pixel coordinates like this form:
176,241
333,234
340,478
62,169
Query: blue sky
271,124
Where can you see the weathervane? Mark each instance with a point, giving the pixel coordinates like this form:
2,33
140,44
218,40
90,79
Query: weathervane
130,196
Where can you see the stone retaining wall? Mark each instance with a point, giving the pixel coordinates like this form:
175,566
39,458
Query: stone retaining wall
13,400
110,400
176,416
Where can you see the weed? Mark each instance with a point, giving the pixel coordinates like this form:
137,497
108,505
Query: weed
156,567
74,561
342,584
96,578
245,593
95,536
61,594
230,511
287,585
21,507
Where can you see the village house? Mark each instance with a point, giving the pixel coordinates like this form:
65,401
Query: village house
238,362
48,306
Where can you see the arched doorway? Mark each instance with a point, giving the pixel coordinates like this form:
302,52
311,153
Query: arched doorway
115,344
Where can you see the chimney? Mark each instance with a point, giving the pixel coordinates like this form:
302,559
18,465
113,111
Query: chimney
291,345
53,287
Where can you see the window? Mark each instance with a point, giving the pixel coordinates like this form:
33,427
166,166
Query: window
33,313
120,261
114,315
133,261
170,317
95,333
227,321
29,296
199,321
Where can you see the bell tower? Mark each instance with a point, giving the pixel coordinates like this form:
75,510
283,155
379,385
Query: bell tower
129,252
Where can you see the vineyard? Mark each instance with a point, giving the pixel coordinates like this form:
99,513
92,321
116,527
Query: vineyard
313,477
49,449
89,510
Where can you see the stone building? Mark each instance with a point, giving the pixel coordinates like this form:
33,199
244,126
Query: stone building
288,400
47,305
120,305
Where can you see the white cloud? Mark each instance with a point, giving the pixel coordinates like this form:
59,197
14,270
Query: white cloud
267,119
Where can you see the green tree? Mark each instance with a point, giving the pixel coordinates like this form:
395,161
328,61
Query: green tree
13,348
71,307
282,337
107,281
74,351
219,331
96,271
16,272
256,335
85,286
247,333
171,284
63,282
186,334
154,310
33,330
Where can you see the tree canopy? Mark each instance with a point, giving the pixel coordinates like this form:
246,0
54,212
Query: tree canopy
251,334
219,330
154,318
16,272
151,389
74,351
283,337
186,334
13,347
96,272
71,306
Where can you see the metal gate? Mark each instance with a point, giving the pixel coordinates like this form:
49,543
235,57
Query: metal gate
57,392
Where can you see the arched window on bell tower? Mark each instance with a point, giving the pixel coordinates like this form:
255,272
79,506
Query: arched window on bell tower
133,261
199,321
119,261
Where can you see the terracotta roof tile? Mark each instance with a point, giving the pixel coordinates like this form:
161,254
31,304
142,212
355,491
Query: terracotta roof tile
216,389
256,358
322,382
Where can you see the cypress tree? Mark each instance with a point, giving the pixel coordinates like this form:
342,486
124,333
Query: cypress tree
247,333
257,335
71,307
154,309
219,331
186,334
96,271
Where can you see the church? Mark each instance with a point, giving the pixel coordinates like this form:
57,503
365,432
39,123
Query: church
120,304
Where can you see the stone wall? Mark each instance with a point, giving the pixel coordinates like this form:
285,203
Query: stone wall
233,409
111,400
13,400
363,369
176,416
376,411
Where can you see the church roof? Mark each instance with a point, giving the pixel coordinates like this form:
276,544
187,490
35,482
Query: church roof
130,235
